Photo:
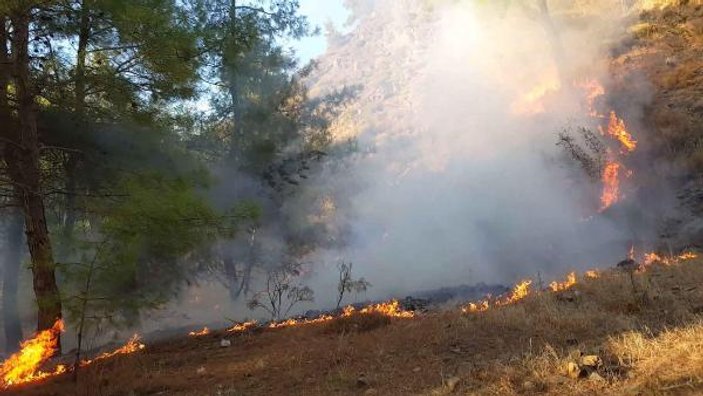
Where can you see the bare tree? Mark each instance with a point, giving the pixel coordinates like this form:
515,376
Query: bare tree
281,293
347,284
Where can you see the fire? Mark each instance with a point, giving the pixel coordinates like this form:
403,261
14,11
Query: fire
133,345
474,307
561,286
618,130
611,185
204,331
242,326
592,274
652,258
391,309
520,291
24,365
532,102
594,89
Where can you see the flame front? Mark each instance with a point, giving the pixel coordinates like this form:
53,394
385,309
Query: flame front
594,89
611,185
618,130
592,274
24,365
520,291
532,102
242,326
204,331
391,309
561,286
652,258
133,345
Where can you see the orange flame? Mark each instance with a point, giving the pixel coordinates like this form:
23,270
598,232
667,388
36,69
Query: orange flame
592,274
242,326
561,286
133,345
520,291
24,365
618,130
204,331
611,185
594,89
477,307
391,309
653,258
532,102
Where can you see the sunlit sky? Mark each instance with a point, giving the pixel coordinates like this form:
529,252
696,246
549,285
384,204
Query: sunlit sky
319,12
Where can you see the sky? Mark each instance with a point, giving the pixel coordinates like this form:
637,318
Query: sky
319,12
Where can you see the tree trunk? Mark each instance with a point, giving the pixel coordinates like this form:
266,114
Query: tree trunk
12,263
23,162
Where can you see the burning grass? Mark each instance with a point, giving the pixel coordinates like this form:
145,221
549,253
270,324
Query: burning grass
648,340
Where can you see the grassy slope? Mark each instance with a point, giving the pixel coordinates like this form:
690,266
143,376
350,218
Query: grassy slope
650,342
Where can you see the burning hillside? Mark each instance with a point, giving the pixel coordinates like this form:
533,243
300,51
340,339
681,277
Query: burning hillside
551,146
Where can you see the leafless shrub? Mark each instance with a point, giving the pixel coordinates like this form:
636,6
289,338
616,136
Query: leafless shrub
347,284
588,151
281,293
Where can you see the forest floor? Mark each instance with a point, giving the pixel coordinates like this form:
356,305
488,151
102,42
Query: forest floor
647,339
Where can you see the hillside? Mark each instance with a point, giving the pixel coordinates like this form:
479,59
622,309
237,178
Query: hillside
647,341
635,328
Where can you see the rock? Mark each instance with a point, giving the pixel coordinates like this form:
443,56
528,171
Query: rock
417,370
371,391
451,383
528,385
591,361
362,381
456,350
595,377
224,343
201,370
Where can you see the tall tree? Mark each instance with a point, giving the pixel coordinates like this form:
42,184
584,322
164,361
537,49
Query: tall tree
22,154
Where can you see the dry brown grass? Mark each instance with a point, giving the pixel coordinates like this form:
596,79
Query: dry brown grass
649,340
358,323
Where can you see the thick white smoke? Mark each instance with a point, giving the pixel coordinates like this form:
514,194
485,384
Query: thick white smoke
455,179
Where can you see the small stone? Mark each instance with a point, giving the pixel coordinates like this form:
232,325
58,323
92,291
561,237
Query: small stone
371,391
201,370
417,370
224,343
362,381
528,385
451,383
456,350
591,361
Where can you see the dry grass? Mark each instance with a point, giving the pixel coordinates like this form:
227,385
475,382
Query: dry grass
649,339
358,323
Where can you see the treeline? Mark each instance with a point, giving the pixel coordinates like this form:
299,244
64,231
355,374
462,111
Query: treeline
143,144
